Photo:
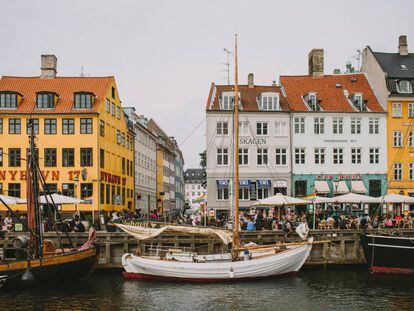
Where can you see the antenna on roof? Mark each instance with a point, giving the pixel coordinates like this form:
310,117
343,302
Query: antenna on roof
358,57
227,64
82,73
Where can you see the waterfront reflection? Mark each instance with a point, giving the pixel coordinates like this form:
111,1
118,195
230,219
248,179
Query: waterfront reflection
309,290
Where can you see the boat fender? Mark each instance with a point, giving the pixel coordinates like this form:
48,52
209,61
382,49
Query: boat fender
231,273
28,276
246,255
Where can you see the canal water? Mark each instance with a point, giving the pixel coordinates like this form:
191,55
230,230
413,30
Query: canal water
309,290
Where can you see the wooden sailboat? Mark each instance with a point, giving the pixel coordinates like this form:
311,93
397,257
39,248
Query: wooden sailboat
240,264
34,260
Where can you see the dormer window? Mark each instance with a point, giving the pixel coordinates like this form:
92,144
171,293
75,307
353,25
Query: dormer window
404,87
45,100
8,100
226,101
358,102
312,102
83,100
269,101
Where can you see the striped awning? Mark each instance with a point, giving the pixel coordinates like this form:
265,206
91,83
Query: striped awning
340,187
321,186
358,186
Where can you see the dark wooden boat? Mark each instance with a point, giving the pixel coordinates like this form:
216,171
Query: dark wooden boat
388,253
35,261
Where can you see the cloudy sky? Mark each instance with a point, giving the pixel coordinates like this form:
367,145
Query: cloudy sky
165,54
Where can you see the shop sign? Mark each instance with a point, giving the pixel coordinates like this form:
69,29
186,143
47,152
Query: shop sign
252,141
339,177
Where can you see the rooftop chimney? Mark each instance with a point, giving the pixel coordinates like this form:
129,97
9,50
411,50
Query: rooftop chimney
250,80
315,63
402,45
48,66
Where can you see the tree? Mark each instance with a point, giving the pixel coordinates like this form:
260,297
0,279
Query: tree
203,159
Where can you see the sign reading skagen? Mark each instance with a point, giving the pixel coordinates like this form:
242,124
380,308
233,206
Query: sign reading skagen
252,141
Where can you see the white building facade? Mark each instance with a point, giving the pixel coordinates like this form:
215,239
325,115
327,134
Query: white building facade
264,145
195,188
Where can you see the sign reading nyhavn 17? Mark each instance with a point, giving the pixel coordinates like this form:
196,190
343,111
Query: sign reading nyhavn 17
252,141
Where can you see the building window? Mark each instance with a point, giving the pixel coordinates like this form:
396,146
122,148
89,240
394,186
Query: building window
8,100
32,123
68,190
269,102
222,128
281,156
118,112
123,165
374,125
227,101
244,156
411,171
397,139
280,128
1,158
411,110
355,125
68,126
101,128
313,102
15,126
301,188
299,123
14,157
396,110
338,155
356,155
338,125
86,157
319,125
223,193
262,193
262,156
244,193
404,87
83,101
50,126
68,157
50,157
102,158
113,92
118,137
102,193
108,194
373,155
1,126
86,190
108,106
300,155
86,126
319,155
261,128
397,171
244,128
411,139
113,109
45,100
222,156
14,190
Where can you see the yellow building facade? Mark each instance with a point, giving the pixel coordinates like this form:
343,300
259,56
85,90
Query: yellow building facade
85,146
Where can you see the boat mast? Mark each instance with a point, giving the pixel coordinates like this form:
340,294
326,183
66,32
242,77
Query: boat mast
236,241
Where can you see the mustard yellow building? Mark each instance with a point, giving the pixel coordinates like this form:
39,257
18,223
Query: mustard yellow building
391,76
85,145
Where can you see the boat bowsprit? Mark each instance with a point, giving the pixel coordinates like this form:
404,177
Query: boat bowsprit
250,265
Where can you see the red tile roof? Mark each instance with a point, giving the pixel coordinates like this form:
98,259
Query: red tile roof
248,96
332,98
65,87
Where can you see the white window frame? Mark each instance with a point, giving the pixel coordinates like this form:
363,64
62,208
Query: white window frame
374,125
223,154
397,110
397,172
280,128
319,125
320,155
397,139
227,101
356,155
299,125
262,193
263,154
280,156
411,110
269,101
222,194
356,125
411,171
337,125
338,155
244,128
244,194
221,126
374,155
358,97
300,155
401,91
262,128
411,139
244,155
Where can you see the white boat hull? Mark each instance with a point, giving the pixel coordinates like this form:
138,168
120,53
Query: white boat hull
284,262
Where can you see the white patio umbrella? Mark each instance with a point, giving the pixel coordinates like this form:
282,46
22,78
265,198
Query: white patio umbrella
57,199
9,200
393,198
355,198
280,200
319,200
